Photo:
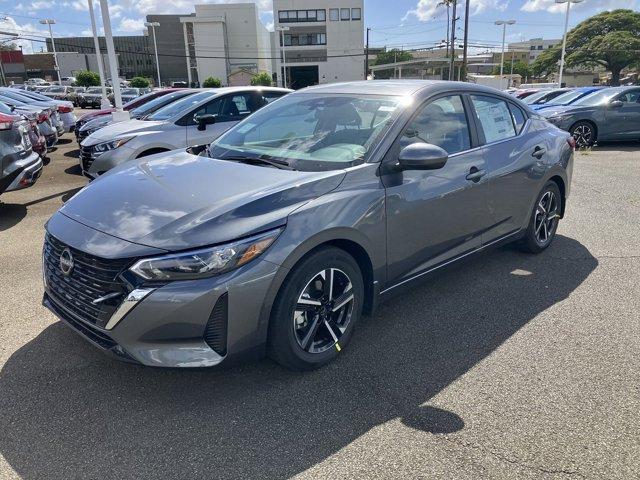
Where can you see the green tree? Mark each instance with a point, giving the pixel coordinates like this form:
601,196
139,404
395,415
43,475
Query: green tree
87,78
212,82
609,39
390,56
139,82
519,67
263,78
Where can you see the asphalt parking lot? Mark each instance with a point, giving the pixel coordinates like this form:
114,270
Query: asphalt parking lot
509,366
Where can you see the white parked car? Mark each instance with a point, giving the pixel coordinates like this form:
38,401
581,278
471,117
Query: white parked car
192,121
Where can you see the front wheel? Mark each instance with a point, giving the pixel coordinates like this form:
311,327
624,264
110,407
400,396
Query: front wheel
584,133
544,219
316,310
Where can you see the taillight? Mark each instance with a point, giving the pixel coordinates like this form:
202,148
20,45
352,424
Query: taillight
572,142
63,109
43,117
6,122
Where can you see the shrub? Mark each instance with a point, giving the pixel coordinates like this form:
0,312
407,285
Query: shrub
212,82
262,78
139,82
87,78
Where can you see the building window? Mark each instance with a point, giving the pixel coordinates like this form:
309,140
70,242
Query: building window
305,39
291,16
345,14
334,14
539,47
533,47
356,14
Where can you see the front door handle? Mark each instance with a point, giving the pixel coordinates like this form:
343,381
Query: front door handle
538,152
475,174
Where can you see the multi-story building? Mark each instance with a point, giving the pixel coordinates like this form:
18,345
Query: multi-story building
226,41
134,55
171,53
534,47
323,41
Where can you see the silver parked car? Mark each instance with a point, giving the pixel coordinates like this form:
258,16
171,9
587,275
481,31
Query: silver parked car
302,216
62,111
195,120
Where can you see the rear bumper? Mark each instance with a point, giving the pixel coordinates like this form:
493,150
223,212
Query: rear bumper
25,172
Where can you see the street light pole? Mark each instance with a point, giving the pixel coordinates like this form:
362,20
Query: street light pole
153,26
564,36
284,67
504,24
104,103
49,22
119,114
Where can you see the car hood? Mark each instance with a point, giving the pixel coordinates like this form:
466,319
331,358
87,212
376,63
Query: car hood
127,128
565,110
176,201
88,116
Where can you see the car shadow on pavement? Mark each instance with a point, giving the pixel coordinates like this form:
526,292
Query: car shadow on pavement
68,411
73,154
12,213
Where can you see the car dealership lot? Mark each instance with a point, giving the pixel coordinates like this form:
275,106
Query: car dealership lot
510,366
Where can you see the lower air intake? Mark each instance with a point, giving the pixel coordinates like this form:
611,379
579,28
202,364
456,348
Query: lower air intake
215,334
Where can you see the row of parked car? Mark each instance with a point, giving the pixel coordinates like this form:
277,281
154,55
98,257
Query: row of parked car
85,97
588,113
30,125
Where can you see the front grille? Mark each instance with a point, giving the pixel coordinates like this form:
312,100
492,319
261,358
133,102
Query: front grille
91,278
215,333
86,158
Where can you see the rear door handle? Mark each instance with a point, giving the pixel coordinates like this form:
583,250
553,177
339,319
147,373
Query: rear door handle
538,152
475,174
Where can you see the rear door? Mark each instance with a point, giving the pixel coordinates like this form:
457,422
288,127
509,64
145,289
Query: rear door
511,152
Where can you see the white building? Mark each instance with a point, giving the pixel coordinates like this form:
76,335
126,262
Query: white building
226,41
323,41
535,46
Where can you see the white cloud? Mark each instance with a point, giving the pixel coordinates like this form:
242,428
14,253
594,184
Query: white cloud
131,25
9,24
426,10
598,5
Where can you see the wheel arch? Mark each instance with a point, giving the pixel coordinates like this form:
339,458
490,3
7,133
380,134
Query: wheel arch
152,151
558,180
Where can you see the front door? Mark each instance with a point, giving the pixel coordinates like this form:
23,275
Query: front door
435,215
623,122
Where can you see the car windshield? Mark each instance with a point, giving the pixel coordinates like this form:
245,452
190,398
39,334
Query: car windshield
130,91
181,106
94,90
36,96
311,132
55,89
569,97
598,98
19,97
156,103
542,97
5,108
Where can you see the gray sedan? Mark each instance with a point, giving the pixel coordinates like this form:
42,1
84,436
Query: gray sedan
608,114
299,219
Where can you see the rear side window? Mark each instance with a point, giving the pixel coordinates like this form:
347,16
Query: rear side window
518,118
494,117
441,122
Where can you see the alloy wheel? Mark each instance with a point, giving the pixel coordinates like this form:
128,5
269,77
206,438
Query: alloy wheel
323,311
546,217
583,135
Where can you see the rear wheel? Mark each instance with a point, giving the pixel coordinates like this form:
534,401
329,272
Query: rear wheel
544,219
584,133
316,310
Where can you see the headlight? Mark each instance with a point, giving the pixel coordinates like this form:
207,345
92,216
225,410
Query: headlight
556,119
205,262
106,146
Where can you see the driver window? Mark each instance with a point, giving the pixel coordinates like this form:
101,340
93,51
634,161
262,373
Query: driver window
632,96
212,107
441,122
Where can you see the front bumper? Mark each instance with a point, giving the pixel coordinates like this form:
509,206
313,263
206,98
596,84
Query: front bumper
195,323
95,165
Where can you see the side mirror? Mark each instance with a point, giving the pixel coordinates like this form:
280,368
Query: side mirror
616,104
204,119
422,156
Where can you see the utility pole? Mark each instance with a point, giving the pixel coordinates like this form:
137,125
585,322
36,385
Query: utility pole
504,24
49,22
119,114
153,26
466,38
453,41
564,36
284,66
366,57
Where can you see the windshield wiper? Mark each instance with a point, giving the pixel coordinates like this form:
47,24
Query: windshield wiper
281,164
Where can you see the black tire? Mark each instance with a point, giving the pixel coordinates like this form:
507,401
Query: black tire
290,327
535,240
584,133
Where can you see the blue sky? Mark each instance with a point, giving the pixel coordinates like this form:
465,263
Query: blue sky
400,23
